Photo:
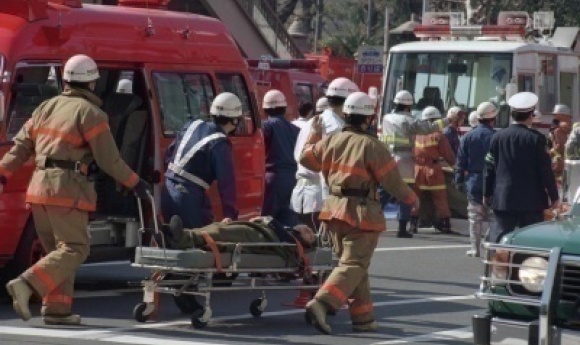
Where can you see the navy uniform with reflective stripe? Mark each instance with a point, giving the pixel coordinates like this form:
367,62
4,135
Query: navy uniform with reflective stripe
213,161
280,138
471,161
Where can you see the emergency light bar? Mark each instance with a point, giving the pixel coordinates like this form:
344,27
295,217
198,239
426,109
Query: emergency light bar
438,31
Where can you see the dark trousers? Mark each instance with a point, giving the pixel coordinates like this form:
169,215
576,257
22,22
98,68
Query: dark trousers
507,221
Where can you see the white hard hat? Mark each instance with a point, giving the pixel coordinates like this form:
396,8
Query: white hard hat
125,86
430,113
359,103
226,104
403,97
486,110
473,118
80,68
341,87
523,102
274,99
537,116
561,109
321,104
454,111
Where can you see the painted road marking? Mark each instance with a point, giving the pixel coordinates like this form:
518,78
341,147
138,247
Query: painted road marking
454,334
394,249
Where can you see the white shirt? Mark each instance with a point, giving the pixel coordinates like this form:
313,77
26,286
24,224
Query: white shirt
300,122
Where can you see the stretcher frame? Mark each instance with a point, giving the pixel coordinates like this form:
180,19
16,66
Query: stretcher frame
201,282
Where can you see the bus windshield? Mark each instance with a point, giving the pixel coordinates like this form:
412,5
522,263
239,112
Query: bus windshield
444,80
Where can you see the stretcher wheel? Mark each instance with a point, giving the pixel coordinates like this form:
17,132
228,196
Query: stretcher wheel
187,304
200,317
142,311
258,306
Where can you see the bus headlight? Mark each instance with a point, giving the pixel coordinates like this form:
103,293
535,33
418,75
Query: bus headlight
533,273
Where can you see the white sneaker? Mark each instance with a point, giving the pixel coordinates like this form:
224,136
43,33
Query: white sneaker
472,253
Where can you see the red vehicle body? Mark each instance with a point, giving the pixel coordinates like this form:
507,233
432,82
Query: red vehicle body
299,80
178,62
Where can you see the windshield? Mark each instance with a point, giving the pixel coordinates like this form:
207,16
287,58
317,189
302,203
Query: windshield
444,80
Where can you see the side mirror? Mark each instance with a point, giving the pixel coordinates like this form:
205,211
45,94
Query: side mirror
510,90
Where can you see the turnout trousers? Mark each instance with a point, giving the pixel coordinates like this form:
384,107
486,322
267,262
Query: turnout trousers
63,233
350,279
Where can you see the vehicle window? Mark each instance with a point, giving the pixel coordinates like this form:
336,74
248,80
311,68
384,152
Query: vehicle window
183,97
547,84
235,84
32,85
304,93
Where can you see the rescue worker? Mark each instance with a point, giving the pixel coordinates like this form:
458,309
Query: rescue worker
469,175
321,105
199,155
399,130
452,130
304,114
519,182
473,119
354,163
280,139
66,135
558,137
429,151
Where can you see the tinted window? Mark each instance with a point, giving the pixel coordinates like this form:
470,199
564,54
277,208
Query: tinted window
304,93
182,97
235,84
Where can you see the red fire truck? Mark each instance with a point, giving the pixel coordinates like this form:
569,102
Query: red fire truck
177,63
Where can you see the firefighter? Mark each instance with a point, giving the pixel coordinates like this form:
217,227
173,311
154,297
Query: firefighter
354,163
558,137
429,151
200,154
67,135
399,130
519,182
469,175
321,105
473,119
452,130
280,139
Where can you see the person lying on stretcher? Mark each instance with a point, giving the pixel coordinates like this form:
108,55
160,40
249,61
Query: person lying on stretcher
259,229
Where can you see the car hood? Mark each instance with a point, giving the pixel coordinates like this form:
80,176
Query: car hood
564,233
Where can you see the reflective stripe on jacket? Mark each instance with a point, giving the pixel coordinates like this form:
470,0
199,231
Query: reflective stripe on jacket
67,127
429,149
354,160
399,130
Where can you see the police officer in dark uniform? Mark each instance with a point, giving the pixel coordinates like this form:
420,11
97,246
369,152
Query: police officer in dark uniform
519,181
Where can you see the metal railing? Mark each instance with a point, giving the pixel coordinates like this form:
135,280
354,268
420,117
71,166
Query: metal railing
275,24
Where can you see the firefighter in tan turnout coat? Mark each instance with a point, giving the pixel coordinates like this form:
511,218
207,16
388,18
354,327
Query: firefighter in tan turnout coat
354,164
65,134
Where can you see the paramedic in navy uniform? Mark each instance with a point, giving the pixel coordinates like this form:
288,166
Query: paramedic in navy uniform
519,181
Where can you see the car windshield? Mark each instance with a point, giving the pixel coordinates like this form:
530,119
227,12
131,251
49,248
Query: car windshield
444,80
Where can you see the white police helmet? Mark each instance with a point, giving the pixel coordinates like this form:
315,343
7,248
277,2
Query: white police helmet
430,113
80,68
403,97
359,103
274,99
523,102
486,110
341,87
321,104
226,104
562,109
473,119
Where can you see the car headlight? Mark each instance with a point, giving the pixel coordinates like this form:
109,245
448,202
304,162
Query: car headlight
533,273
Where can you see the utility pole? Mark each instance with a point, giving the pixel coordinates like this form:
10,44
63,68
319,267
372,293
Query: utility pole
370,13
425,7
318,25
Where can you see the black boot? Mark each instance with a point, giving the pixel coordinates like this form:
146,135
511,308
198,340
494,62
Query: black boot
445,226
403,230
414,225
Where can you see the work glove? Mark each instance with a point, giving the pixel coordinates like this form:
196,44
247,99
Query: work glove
142,189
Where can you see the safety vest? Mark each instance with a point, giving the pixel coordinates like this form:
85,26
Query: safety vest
181,160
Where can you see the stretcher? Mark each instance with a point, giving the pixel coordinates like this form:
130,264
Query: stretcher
195,273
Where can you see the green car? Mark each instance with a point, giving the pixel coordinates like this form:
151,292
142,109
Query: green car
532,284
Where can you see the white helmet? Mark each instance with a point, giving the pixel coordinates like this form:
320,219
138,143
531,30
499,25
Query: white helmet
274,99
537,118
455,110
486,110
341,87
473,119
430,113
80,68
403,97
321,104
125,86
562,109
226,104
359,103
